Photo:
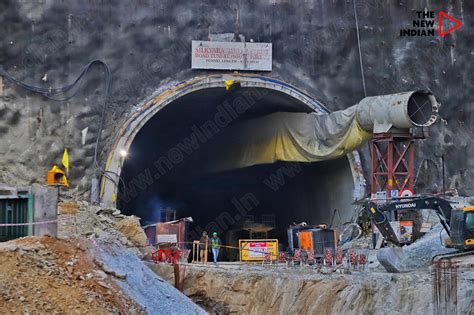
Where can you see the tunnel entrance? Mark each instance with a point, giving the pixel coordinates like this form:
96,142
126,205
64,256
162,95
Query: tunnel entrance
169,166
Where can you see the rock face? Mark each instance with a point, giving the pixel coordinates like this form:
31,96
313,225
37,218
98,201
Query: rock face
130,227
147,45
258,290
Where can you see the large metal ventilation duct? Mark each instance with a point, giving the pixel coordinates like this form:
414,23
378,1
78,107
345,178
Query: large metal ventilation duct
406,110
312,137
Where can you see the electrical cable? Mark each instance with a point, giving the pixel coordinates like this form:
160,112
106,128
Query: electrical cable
54,93
49,92
360,53
419,169
344,238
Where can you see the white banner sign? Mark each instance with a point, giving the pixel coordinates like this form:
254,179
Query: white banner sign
231,55
166,238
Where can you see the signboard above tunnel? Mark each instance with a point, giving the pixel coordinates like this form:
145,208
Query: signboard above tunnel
231,55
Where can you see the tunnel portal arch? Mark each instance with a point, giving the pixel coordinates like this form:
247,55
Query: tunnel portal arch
167,94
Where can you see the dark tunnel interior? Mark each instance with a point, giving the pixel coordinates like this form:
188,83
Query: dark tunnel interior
164,169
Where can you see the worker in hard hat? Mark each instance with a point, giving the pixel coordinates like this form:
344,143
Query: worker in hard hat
215,245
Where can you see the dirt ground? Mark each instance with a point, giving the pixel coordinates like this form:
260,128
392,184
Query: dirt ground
233,288
50,276
93,267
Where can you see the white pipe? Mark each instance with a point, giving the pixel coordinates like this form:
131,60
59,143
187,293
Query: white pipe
405,110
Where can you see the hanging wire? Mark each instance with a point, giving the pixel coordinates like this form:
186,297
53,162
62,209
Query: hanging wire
55,93
358,44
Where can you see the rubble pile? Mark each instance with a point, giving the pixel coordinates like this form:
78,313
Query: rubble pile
93,221
114,244
420,253
130,227
93,267
46,275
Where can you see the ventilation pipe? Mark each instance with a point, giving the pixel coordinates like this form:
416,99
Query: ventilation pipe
379,114
313,137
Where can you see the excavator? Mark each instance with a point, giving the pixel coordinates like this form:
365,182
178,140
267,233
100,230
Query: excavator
458,222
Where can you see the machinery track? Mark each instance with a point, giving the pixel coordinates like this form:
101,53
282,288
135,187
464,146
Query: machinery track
447,257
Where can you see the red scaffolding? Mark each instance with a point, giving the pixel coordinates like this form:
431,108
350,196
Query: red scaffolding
393,162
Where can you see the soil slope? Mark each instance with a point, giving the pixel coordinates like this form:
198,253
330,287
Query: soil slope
45,275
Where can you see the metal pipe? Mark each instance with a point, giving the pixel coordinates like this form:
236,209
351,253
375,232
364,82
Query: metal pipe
379,114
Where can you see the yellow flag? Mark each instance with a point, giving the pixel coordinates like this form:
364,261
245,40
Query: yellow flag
228,84
65,160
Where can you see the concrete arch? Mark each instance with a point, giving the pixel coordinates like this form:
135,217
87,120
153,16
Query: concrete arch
167,94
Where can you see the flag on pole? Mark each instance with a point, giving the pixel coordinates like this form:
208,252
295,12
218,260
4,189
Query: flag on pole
65,160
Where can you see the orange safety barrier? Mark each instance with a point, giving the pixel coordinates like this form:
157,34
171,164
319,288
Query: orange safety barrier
339,256
328,256
158,255
282,257
353,257
311,257
362,259
297,256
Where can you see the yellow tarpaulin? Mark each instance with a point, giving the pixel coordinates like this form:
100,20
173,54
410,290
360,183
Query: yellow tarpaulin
296,137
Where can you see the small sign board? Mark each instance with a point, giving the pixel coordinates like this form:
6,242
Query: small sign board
394,193
402,229
166,238
406,232
231,55
255,250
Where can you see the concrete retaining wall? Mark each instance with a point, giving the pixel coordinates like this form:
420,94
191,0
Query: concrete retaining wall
45,209
44,202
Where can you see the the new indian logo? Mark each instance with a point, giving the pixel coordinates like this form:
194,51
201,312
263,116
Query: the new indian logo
424,24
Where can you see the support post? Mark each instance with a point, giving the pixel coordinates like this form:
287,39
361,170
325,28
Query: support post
393,162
